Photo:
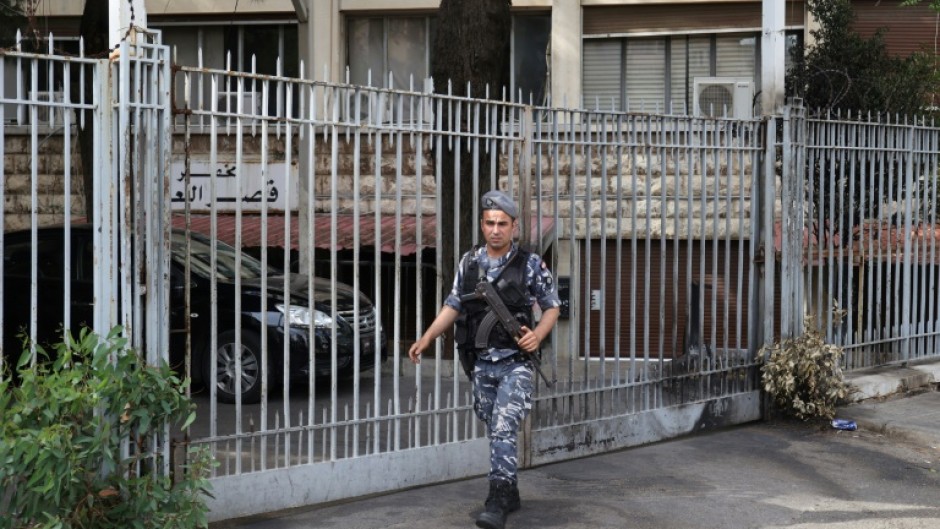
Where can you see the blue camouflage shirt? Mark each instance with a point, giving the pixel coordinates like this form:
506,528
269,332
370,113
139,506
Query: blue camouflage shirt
539,281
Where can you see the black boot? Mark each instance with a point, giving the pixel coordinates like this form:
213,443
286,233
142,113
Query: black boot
514,502
497,505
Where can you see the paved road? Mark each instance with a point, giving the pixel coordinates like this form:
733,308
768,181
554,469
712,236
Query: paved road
763,475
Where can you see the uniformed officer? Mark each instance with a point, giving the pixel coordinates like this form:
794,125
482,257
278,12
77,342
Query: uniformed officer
502,372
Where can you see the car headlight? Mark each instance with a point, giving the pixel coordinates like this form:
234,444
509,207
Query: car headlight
302,316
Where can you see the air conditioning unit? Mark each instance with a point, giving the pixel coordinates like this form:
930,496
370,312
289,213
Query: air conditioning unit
716,97
228,103
43,112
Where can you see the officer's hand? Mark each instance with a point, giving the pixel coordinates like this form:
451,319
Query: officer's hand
529,341
415,352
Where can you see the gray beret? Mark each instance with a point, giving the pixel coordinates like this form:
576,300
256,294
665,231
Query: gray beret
501,201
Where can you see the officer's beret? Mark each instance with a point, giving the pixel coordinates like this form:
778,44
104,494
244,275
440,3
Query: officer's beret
501,201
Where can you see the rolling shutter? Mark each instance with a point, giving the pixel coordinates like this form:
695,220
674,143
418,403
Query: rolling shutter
601,67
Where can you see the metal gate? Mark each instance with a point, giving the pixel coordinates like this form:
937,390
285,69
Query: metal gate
62,267
646,220
659,214
276,239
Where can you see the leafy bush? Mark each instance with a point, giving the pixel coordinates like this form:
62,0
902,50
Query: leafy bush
81,437
803,374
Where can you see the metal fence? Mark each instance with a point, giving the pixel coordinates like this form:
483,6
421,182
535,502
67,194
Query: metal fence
870,236
279,243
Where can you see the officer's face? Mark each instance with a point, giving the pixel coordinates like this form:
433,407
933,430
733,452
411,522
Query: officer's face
497,229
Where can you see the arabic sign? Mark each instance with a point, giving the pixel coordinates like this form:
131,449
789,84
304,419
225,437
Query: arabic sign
235,187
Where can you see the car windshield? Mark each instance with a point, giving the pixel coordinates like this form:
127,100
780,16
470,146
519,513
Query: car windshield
201,255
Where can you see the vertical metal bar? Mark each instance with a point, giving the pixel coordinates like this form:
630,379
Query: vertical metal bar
767,202
574,254
213,261
396,354
239,219
310,177
66,195
867,250
377,263
587,150
458,184
3,139
601,135
418,146
755,297
633,146
916,317
618,277
526,147
930,296
334,203
263,328
647,147
33,209
357,184
438,258
848,306
666,140
721,127
907,271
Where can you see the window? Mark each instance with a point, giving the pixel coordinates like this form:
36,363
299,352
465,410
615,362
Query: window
239,47
531,35
399,45
657,74
402,45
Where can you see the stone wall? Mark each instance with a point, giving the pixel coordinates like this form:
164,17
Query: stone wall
661,192
50,168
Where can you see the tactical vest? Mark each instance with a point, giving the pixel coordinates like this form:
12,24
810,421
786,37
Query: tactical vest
511,286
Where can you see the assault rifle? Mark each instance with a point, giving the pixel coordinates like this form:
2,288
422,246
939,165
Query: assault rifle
499,313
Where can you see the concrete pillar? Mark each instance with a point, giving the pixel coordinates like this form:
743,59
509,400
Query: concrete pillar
121,14
320,51
319,40
566,52
773,57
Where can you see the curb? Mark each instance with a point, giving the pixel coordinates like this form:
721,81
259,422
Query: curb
887,381
888,429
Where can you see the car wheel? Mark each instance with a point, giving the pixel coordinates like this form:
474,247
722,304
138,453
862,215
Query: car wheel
225,367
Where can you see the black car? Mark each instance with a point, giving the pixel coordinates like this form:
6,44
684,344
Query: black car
306,322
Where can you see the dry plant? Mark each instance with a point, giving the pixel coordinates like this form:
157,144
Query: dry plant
803,374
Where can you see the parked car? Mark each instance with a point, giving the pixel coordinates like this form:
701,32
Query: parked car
306,321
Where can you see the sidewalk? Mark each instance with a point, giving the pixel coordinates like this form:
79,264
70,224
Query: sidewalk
771,474
898,402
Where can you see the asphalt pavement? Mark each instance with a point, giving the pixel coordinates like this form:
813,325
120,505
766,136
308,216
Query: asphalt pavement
771,474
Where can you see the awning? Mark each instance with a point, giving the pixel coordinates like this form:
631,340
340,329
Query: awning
394,232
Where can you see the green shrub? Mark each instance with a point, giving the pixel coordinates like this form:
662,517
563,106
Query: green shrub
81,439
803,375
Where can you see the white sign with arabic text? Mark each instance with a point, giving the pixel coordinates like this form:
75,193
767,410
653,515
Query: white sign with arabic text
242,186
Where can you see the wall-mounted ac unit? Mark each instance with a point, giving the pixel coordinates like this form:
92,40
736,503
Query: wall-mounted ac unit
228,103
723,97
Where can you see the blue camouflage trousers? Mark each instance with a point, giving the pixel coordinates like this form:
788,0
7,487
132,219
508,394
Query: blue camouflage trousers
502,397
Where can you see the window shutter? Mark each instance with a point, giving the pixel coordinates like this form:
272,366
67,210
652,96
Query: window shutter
646,59
736,56
601,67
